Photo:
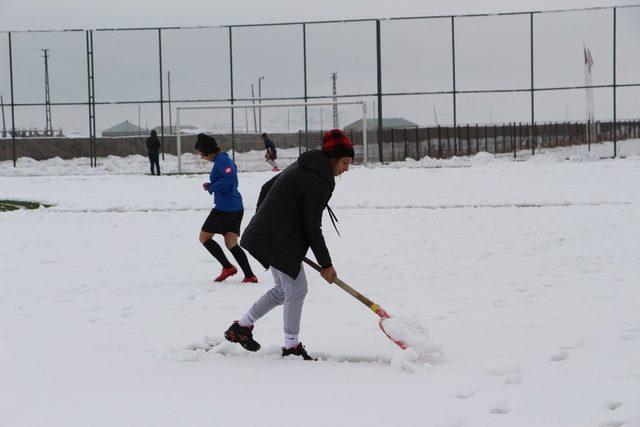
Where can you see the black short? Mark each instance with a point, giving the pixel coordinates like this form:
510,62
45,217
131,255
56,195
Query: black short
220,222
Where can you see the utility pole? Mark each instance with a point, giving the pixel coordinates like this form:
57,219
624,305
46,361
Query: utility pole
139,124
4,126
169,97
260,102
48,128
246,120
334,77
288,121
253,101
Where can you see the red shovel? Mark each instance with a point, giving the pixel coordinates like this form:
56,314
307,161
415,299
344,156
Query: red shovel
366,301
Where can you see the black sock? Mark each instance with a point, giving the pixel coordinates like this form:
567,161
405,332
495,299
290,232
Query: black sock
241,257
215,250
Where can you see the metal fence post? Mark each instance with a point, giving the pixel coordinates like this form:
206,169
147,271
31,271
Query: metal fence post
453,71
304,57
393,150
13,113
615,117
477,140
513,139
486,139
161,94
405,144
379,79
533,119
233,139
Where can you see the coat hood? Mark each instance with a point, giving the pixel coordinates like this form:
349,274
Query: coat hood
318,163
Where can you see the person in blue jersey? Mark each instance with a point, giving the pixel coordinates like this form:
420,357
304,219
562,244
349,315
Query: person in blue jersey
271,155
226,216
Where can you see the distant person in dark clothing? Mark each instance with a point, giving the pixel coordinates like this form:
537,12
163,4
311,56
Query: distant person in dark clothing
271,155
226,216
153,150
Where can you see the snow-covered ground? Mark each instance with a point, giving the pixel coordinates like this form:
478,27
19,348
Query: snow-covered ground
526,274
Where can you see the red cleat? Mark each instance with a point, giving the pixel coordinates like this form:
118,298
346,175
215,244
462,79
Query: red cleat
250,279
226,272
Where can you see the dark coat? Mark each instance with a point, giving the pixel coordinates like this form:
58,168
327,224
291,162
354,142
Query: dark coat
288,219
153,145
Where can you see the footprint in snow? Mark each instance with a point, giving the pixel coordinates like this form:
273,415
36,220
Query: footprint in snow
450,422
612,405
499,407
513,380
559,356
501,366
465,394
613,423
573,346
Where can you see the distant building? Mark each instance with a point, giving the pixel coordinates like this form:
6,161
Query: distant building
125,128
173,129
372,124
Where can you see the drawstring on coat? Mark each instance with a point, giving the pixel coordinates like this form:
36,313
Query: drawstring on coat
334,218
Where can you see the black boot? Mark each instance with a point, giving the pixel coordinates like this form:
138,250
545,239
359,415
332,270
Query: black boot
243,336
297,351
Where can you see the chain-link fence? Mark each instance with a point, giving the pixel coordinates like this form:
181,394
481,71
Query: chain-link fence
520,76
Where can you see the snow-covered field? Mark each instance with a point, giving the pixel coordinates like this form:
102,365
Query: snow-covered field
526,274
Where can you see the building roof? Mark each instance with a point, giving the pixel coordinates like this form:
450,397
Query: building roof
393,122
173,128
125,128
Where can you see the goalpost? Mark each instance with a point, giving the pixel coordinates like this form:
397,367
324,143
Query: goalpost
271,105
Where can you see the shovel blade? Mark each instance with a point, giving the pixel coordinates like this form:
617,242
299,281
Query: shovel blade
389,334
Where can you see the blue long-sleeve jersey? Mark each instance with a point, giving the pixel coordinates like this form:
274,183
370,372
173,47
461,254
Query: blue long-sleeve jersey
224,184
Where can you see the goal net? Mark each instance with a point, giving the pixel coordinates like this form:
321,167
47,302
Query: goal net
293,127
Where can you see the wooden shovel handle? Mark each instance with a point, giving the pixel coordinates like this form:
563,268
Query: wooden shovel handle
357,295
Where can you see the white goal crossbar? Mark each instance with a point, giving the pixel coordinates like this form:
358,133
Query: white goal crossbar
263,105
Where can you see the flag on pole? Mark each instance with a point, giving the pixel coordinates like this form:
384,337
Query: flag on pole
588,59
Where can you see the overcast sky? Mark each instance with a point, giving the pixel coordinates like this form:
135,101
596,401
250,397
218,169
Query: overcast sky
59,14
491,53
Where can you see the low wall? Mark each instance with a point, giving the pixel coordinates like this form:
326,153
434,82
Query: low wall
68,148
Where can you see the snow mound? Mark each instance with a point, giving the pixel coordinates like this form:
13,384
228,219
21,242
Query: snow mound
482,158
420,350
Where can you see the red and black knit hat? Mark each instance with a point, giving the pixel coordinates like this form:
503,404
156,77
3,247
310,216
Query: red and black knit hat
335,144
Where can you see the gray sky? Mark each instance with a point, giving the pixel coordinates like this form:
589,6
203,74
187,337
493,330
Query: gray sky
60,14
491,53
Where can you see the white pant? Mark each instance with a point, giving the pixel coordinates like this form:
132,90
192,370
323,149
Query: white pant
288,292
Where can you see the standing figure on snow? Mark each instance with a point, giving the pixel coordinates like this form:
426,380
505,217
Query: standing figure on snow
271,155
153,151
226,216
288,222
